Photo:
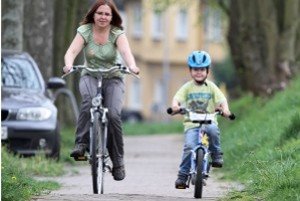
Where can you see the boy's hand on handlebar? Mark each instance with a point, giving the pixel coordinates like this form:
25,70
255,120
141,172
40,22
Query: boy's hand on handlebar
175,108
225,113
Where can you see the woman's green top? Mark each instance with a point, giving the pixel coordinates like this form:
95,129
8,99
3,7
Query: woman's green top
97,55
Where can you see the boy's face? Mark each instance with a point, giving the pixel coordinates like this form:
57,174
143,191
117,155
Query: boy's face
199,74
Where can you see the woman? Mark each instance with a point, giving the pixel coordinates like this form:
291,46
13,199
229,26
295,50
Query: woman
101,36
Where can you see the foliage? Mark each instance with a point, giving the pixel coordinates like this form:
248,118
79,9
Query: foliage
224,72
262,146
161,6
16,176
292,131
264,40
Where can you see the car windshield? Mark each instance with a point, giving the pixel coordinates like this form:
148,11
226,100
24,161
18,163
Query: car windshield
18,73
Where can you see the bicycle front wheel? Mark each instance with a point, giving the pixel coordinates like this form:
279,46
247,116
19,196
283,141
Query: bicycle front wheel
97,159
199,175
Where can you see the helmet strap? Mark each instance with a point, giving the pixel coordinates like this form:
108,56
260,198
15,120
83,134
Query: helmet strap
201,82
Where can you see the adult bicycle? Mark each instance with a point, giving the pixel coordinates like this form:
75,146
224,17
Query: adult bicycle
98,154
200,156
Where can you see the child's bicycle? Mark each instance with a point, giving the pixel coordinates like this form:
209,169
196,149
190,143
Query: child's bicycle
98,154
200,164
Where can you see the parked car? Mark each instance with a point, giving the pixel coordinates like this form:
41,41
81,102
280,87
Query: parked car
29,121
131,116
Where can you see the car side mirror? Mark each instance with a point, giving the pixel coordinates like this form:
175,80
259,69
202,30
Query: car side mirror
56,83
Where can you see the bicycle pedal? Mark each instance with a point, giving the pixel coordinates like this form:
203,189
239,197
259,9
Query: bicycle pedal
181,187
80,158
108,168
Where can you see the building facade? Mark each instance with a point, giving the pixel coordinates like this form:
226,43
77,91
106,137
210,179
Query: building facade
161,38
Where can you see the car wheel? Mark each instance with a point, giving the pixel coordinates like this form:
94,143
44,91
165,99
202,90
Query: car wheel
55,153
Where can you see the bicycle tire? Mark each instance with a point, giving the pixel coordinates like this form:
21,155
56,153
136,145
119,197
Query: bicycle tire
96,162
102,151
199,175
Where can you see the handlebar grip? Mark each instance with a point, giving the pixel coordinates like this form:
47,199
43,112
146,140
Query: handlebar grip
232,116
169,110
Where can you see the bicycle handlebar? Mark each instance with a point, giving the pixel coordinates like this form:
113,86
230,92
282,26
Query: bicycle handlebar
117,67
183,111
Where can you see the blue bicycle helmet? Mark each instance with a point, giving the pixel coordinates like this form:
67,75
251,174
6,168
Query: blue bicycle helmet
199,59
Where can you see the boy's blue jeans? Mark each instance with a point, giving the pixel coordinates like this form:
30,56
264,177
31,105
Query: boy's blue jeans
191,141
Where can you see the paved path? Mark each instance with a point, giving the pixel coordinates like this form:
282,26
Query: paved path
151,169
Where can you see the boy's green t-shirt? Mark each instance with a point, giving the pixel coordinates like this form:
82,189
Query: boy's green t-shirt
97,55
201,98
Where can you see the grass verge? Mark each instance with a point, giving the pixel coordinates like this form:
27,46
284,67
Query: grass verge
262,147
16,176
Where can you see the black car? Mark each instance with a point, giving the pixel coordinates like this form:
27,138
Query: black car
131,116
29,123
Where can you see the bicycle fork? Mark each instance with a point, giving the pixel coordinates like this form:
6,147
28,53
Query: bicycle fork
203,144
103,120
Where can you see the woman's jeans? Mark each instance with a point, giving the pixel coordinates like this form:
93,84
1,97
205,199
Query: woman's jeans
113,95
191,141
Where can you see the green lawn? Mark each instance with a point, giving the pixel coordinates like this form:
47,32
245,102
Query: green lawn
262,150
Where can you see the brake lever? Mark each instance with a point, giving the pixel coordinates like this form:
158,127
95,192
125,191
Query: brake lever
68,73
128,71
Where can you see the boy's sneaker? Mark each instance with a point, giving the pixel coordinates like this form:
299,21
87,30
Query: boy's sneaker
217,160
180,183
79,150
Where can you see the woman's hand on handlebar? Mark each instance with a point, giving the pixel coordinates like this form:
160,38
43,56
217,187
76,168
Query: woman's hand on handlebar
67,69
135,70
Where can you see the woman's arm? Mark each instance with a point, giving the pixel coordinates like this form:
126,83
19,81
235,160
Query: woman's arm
72,52
125,51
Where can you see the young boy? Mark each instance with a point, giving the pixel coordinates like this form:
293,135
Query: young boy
199,95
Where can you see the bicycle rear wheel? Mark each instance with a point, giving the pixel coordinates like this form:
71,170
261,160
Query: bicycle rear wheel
97,161
199,176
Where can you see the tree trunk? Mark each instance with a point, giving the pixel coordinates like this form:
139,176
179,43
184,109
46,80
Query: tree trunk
38,33
12,27
68,14
262,37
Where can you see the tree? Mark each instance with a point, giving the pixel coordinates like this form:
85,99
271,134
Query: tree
264,40
38,33
68,14
45,29
12,26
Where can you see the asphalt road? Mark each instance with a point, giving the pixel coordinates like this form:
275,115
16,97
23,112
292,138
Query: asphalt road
151,164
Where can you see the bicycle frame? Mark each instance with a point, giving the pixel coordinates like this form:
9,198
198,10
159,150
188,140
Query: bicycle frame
100,166
202,144
200,155
98,154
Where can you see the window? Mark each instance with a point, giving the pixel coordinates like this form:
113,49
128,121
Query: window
18,73
135,95
157,25
182,25
213,24
137,20
158,92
